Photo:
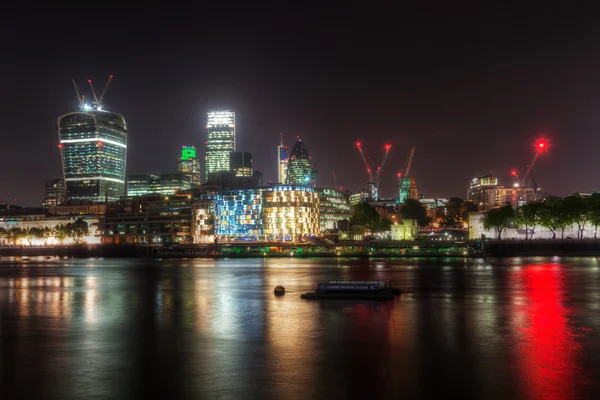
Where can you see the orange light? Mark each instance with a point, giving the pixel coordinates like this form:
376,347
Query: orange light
60,146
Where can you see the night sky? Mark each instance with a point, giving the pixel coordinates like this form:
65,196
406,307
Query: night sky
470,87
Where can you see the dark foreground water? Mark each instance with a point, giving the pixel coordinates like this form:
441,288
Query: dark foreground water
202,329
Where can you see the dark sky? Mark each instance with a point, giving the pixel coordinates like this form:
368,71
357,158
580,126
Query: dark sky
471,87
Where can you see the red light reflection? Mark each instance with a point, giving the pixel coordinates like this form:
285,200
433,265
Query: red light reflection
545,352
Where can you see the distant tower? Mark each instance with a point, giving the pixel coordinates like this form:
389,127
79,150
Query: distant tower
93,148
283,157
220,141
300,169
240,163
190,164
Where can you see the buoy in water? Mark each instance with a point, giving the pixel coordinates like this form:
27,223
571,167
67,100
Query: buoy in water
279,291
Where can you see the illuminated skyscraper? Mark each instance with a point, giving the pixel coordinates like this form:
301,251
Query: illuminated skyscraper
283,157
189,164
220,141
241,163
299,168
93,149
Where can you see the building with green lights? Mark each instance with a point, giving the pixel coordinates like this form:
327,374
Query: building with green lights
299,168
220,141
190,164
93,148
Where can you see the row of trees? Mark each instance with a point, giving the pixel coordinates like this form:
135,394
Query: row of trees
555,213
76,230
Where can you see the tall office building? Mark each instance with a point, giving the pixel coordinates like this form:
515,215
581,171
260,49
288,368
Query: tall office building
283,157
190,164
220,141
54,194
240,163
299,169
93,148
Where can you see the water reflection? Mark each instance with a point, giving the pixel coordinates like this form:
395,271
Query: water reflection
522,328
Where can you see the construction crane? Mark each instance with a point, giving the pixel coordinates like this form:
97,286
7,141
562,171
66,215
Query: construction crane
405,184
540,147
405,170
97,104
80,98
374,178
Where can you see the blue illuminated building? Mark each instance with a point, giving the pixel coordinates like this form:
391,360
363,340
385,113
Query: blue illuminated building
238,213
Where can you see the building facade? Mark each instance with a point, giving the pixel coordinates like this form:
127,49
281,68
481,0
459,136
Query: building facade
240,163
140,184
174,182
149,219
189,164
408,190
290,212
238,213
299,170
334,206
220,141
93,148
55,192
283,157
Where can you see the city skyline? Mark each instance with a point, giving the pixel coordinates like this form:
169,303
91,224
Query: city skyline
466,91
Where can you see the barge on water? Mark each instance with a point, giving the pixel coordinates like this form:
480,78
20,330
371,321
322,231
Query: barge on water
376,290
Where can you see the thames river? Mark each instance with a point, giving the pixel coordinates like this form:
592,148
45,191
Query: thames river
204,329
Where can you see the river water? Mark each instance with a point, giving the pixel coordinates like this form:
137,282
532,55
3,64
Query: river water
204,329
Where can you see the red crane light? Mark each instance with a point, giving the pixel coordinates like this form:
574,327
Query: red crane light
513,172
399,174
100,144
110,77
388,146
358,144
89,81
60,146
369,170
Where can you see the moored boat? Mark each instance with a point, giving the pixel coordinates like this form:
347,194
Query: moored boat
377,290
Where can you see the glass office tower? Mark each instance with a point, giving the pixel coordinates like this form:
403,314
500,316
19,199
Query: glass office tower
190,164
299,167
93,147
220,141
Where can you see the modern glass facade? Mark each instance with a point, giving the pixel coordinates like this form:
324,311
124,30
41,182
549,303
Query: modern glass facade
299,169
334,206
190,164
220,141
238,213
93,147
172,183
283,157
290,212
240,163
138,185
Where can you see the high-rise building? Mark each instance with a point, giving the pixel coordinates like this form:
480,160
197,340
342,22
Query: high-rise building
283,157
190,164
408,190
299,170
220,141
55,192
93,147
240,163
